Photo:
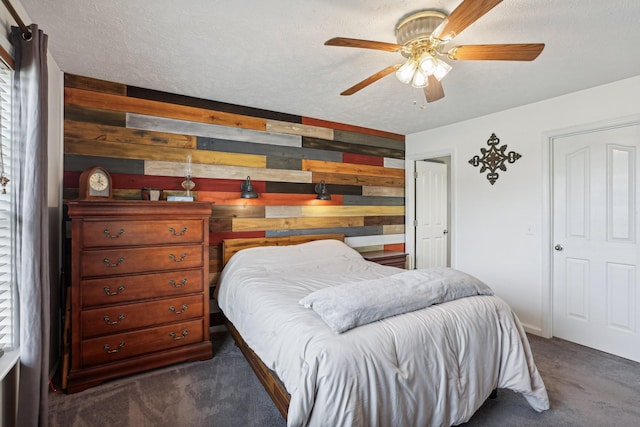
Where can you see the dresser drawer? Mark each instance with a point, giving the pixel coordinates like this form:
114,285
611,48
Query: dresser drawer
108,320
115,347
119,289
108,262
133,233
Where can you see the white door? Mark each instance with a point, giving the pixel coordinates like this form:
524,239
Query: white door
596,292
431,214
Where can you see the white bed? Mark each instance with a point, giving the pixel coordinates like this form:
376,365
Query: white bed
429,367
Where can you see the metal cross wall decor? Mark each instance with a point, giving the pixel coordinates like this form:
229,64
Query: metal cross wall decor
494,158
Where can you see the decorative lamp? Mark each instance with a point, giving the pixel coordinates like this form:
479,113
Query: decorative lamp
321,190
247,190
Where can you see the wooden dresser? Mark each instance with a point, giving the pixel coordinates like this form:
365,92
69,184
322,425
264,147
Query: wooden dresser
139,287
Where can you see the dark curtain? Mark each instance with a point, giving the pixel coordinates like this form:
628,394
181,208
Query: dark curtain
32,225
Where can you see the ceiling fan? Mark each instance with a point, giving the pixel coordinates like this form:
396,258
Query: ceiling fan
421,39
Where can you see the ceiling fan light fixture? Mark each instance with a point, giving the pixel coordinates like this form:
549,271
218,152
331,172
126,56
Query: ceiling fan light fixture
406,71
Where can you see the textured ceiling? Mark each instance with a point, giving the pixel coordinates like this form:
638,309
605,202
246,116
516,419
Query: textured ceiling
270,54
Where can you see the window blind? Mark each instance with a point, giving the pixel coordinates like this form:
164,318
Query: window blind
8,321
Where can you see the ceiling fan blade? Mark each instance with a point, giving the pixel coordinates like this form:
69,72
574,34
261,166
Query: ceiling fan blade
433,91
467,12
498,52
371,79
365,44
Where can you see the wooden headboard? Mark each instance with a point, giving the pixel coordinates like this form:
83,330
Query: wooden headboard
231,246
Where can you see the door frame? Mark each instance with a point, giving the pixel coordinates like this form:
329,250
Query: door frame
548,139
410,201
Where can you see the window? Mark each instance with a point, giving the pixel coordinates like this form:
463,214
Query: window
8,310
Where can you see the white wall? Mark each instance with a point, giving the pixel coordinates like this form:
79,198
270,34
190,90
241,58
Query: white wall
500,232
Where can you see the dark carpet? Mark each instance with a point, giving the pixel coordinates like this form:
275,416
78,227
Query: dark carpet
586,388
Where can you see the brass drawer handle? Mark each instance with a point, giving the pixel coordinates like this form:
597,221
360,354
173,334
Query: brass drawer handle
177,338
115,350
173,309
108,291
109,264
181,233
178,285
173,257
108,234
108,321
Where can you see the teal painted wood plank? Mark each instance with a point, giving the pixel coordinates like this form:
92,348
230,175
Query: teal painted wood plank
372,201
347,231
370,140
217,144
162,124
76,163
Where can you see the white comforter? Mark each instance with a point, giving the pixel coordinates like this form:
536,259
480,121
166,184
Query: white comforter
430,367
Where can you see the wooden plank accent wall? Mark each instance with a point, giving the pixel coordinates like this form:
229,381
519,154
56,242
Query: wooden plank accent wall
143,138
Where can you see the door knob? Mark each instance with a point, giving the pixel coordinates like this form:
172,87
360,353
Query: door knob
558,247
445,231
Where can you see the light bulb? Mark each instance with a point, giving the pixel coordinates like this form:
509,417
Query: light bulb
420,79
406,71
441,70
428,64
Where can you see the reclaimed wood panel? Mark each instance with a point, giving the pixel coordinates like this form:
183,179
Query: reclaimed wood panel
95,115
346,231
384,220
394,163
238,211
299,129
78,163
166,154
256,224
393,229
350,168
267,150
395,247
264,199
127,104
323,144
321,211
226,185
363,159
173,98
338,178
139,121
373,200
221,225
363,249
88,83
382,191
283,211
153,167
276,162
296,188
99,132
342,126
369,140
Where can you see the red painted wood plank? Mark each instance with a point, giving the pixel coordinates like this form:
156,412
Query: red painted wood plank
362,159
396,247
217,238
341,126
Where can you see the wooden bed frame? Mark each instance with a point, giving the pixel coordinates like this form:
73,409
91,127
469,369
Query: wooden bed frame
272,384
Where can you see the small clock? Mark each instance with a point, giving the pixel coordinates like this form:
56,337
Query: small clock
95,183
